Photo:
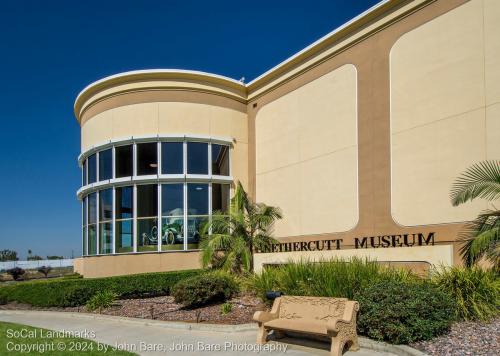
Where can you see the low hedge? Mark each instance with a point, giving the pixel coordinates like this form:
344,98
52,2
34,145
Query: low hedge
205,289
401,312
75,292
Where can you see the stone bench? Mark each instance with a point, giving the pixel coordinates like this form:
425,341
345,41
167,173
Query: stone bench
334,318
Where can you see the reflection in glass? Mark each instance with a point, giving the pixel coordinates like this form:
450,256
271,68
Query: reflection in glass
124,235
123,161
197,199
147,158
124,202
105,238
197,158
220,160
220,197
147,217
172,199
147,234
92,244
172,233
195,225
84,209
172,158
84,239
105,204
92,206
92,169
106,164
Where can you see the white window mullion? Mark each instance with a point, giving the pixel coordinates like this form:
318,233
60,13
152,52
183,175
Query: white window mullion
185,217
98,223
113,229
160,234
134,222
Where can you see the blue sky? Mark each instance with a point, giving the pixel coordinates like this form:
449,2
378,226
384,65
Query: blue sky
50,50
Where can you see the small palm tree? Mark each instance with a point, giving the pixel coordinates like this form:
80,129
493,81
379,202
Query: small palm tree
230,239
480,237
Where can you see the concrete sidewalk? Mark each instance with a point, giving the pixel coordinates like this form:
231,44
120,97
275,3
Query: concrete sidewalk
147,337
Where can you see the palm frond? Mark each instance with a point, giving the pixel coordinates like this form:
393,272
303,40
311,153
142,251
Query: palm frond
481,180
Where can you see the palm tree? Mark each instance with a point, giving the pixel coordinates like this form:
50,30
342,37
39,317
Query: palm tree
230,239
480,237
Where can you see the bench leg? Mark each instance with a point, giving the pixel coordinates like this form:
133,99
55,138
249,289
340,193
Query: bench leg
336,348
354,346
262,335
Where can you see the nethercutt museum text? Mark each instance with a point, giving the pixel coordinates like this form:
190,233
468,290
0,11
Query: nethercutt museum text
404,240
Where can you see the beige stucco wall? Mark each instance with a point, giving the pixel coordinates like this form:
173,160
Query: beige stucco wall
170,118
306,155
441,255
445,96
117,265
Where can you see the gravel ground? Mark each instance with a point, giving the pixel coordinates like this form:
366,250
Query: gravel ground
164,308
465,338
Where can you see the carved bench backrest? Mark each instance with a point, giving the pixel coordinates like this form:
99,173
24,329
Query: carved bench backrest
316,308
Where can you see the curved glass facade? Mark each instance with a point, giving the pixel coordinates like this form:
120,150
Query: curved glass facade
152,195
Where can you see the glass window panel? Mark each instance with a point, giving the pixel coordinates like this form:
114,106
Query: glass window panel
124,235
84,209
220,160
147,200
84,173
106,164
197,199
172,199
220,197
92,206
105,238
92,169
92,239
197,158
195,225
84,241
124,202
123,161
147,158
147,234
106,204
172,158
172,233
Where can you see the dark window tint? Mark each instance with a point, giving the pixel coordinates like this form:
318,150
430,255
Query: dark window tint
172,158
123,161
220,197
197,158
84,173
84,204
124,236
92,169
197,199
172,199
105,204
124,202
105,164
220,160
147,159
92,206
147,200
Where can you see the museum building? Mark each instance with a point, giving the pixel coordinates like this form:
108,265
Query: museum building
357,138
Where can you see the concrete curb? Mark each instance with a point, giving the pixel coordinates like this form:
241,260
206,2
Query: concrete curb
366,343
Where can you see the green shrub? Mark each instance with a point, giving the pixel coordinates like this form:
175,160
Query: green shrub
101,300
205,289
73,292
3,300
226,308
328,278
475,291
401,312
